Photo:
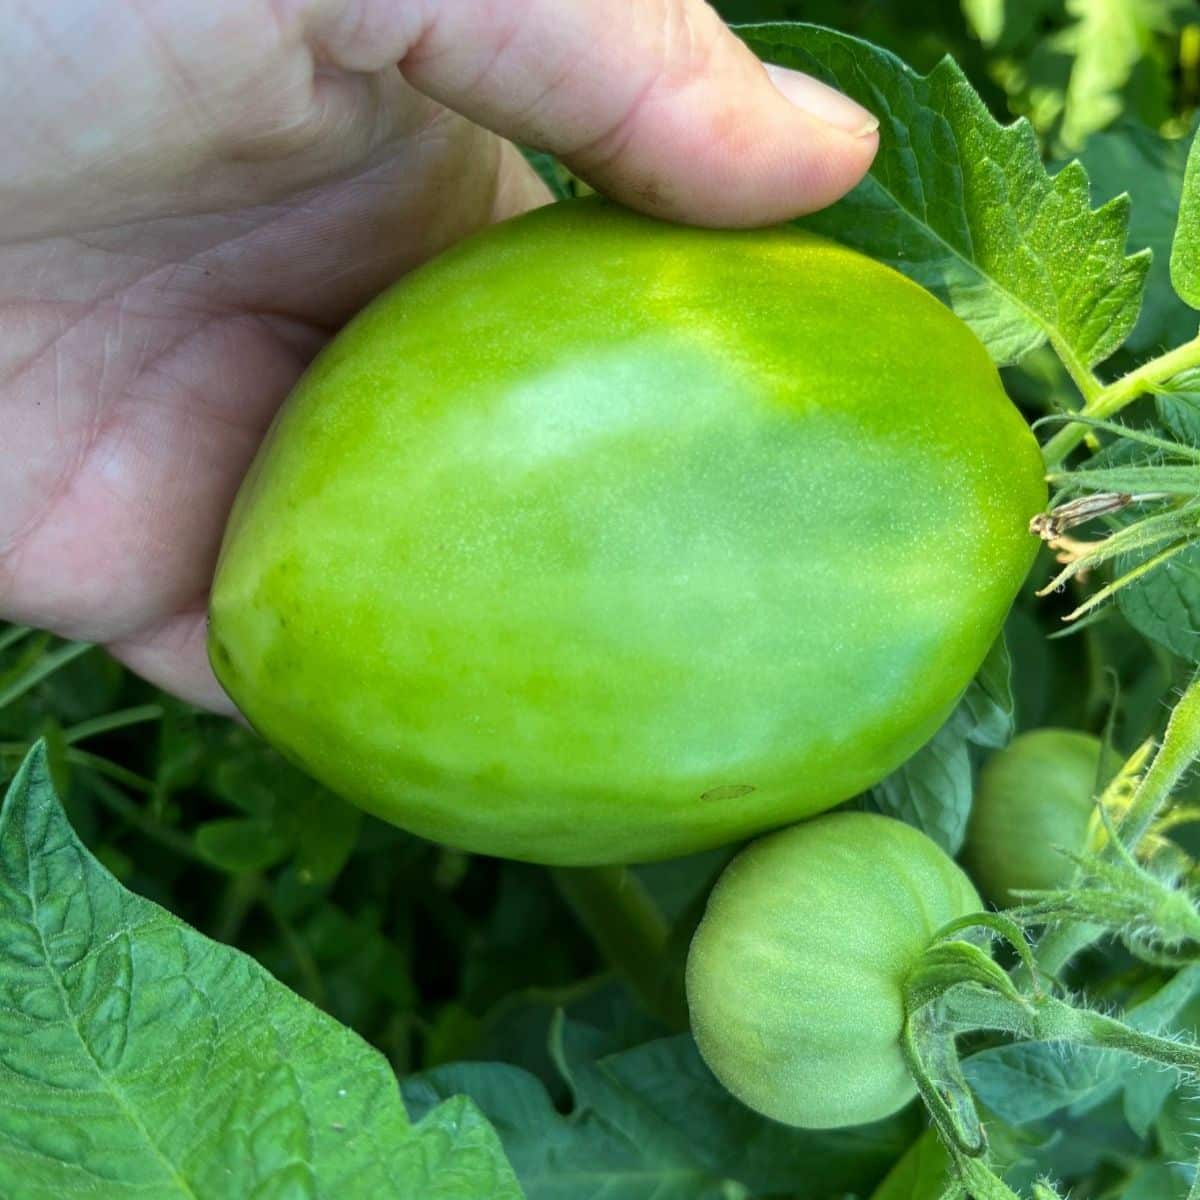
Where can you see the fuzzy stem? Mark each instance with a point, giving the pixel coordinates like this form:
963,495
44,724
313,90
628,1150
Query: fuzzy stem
980,1181
1061,944
1055,1020
1111,399
1180,748
927,1044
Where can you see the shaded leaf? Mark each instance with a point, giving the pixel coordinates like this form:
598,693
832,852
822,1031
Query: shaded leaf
1135,160
922,1174
1165,603
1185,251
239,844
653,1124
1106,42
933,789
138,1058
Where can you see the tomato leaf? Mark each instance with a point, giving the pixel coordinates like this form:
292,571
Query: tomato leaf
240,844
1003,25
1178,407
965,207
933,789
1165,603
653,1124
1185,253
1026,1081
1108,39
1150,168
922,1174
1030,1080
140,1058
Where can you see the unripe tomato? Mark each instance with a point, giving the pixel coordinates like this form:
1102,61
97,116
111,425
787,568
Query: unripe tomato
795,975
600,539
1033,796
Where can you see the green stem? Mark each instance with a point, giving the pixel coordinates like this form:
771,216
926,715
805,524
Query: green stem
1106,401
614,907
116,801
1090,387
241,893
1055,1020
114,771
312,986
1061,944
12,635
1180,748
931,1057
1046,1018
979,1181
43,668
112,721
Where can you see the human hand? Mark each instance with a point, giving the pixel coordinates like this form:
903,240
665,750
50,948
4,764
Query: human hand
196,196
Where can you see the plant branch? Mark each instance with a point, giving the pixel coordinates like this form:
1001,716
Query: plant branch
1112,398
1179,749
614,907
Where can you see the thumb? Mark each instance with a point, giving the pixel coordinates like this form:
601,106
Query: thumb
654,102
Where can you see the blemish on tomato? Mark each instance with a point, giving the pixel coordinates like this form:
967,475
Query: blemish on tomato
728,791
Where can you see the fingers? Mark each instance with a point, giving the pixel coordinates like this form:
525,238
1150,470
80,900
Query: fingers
172,656
518,187
654,102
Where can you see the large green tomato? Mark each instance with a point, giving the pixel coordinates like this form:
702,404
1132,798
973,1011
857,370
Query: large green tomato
603,539
795,975
1034,796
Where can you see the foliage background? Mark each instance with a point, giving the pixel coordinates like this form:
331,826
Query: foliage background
439,958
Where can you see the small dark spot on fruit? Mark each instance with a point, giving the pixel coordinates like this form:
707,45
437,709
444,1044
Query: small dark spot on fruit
728,791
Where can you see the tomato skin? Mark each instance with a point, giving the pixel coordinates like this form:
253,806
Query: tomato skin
795,973
1034,795
604,540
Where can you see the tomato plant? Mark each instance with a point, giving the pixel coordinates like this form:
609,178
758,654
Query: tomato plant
596,525
796,974
1035,798
605,540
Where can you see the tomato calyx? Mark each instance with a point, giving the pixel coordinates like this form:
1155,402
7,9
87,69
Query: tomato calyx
955,988
954,967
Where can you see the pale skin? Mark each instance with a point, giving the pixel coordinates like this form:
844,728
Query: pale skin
197,195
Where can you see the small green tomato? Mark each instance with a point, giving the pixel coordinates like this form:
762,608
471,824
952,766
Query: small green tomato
795,975
1034,796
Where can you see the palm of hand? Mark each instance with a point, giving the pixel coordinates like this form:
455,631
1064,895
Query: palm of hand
141,363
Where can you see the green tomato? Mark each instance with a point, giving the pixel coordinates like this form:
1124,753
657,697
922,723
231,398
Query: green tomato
600,539
1034,796
795,975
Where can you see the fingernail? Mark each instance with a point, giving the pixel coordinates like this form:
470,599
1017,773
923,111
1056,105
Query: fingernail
823,102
